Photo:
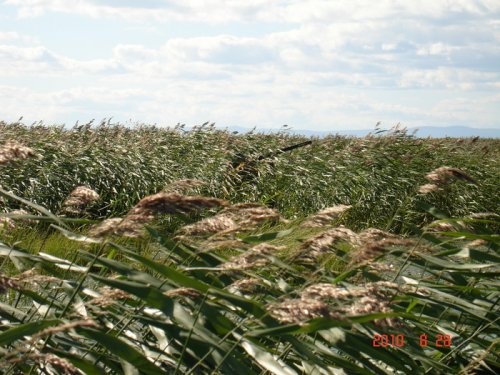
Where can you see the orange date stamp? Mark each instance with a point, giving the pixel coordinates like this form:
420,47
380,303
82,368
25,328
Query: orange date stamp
391,340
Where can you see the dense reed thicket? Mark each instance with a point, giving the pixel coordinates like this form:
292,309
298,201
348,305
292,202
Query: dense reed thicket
377,175
389,266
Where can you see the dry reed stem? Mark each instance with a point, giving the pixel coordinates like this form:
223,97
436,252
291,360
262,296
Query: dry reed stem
48,359
478,360
61,328
27,348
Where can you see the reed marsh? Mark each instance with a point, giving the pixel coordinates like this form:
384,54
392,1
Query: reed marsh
140,250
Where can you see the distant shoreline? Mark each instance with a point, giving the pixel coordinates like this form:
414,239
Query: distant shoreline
419,132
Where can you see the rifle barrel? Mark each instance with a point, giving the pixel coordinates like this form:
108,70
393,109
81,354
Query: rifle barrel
293,147
285,149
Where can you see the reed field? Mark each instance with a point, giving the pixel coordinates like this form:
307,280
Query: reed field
148,250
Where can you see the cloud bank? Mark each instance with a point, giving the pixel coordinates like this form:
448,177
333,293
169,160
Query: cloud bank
324,64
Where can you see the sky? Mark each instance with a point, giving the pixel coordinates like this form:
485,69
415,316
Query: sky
310,64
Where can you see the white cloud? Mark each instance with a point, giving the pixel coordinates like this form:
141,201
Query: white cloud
261,10
38,60
306,52
17,102
193,80
436,49
15,37
206,11
462,79
19,60
348,64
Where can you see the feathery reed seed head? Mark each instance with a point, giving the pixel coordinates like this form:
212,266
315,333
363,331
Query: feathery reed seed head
173,203
32,277
183,292
371,250
81,196
246,285
381,267
374,234
106,227
300,310
234,218
7,283
129,226
325,217
215,224
21,220
477,243
224,244
144,212
336,302
324,291
321,243
13,151
429,188
108,297
181,186
445,175
7,223
252,214
253,257
442,227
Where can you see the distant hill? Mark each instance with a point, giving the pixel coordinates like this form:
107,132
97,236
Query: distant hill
422,131
456,131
